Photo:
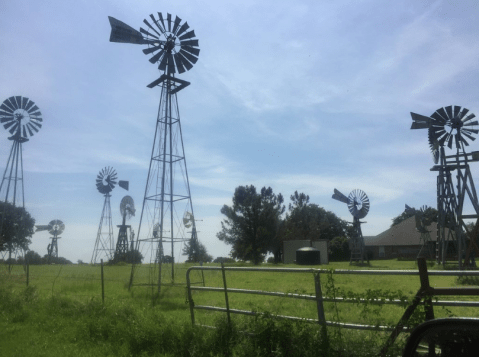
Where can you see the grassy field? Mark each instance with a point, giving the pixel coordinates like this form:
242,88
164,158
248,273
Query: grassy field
61,312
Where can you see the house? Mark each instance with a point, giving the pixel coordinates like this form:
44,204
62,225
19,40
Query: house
400,241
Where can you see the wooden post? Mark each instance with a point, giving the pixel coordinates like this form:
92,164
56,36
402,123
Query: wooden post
102,283
226,293
190,298
319,299
28,272
424,278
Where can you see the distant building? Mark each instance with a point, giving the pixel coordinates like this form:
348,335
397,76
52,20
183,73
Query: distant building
399,241
291,246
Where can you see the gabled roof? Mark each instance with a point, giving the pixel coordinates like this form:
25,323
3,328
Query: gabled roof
404,233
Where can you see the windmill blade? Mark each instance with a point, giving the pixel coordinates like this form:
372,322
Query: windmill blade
457,109
168,19
121,32
160,15
14,128
29,129
13,103
177,23
443,114
472,123
339,196
161,28
188,35
189,43
192,50
469,117
464,112
468,136
152,28
179,63
171,64
449,112
189,57
156,57
149,50
183,28
6,114
420,121
24,102
18,98
162,65
29,105
184,61
475,131
5,108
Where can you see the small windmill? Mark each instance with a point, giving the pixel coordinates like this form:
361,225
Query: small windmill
55,228
127,210
452,127
358,205
106,181
422,224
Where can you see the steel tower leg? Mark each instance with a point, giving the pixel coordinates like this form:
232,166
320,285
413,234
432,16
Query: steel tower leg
104,244
167,191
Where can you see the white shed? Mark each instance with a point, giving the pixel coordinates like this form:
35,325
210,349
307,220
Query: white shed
291,246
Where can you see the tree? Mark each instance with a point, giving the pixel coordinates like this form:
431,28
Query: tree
196,252
16,227
33,258
308,221
251,223
339,249
131,257
429,212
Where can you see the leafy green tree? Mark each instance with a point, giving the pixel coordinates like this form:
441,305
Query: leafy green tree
309,221
33,258
429,212
251,223
196,252
339,249
16,227
131,257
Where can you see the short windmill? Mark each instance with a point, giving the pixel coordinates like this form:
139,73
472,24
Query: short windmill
358,205
423,221
127,210
21,117
174,49
55,228
106,181
452,127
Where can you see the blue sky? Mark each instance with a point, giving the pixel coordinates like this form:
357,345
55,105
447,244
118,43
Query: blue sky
296,95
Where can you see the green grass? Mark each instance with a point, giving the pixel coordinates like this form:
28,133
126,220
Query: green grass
61,312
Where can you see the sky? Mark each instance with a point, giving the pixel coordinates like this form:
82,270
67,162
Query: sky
295,95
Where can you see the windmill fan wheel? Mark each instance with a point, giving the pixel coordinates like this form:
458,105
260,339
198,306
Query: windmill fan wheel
358,204
106,180
451,124
127,207
56,227
21,117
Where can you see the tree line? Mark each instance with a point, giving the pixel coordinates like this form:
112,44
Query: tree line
257,223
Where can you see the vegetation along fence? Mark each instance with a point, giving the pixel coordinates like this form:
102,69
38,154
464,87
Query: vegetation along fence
426,295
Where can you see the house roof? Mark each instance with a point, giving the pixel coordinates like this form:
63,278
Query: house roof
404,233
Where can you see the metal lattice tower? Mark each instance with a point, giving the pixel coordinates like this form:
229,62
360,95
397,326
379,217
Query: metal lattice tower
167,192
22,119
452,126
358,205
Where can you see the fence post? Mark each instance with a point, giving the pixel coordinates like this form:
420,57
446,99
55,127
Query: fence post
190,297
102,283
424,278
28,272
226,293
319,299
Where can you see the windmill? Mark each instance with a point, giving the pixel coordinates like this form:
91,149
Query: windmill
106,181
55,228
173,47
22,119
454,127
358,205
422,224
127,210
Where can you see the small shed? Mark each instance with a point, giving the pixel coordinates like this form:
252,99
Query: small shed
291,246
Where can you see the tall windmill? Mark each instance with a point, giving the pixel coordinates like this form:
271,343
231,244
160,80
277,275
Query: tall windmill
106,181
452,126
358,205
174,49
422,223
127,210
55,228
22,119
